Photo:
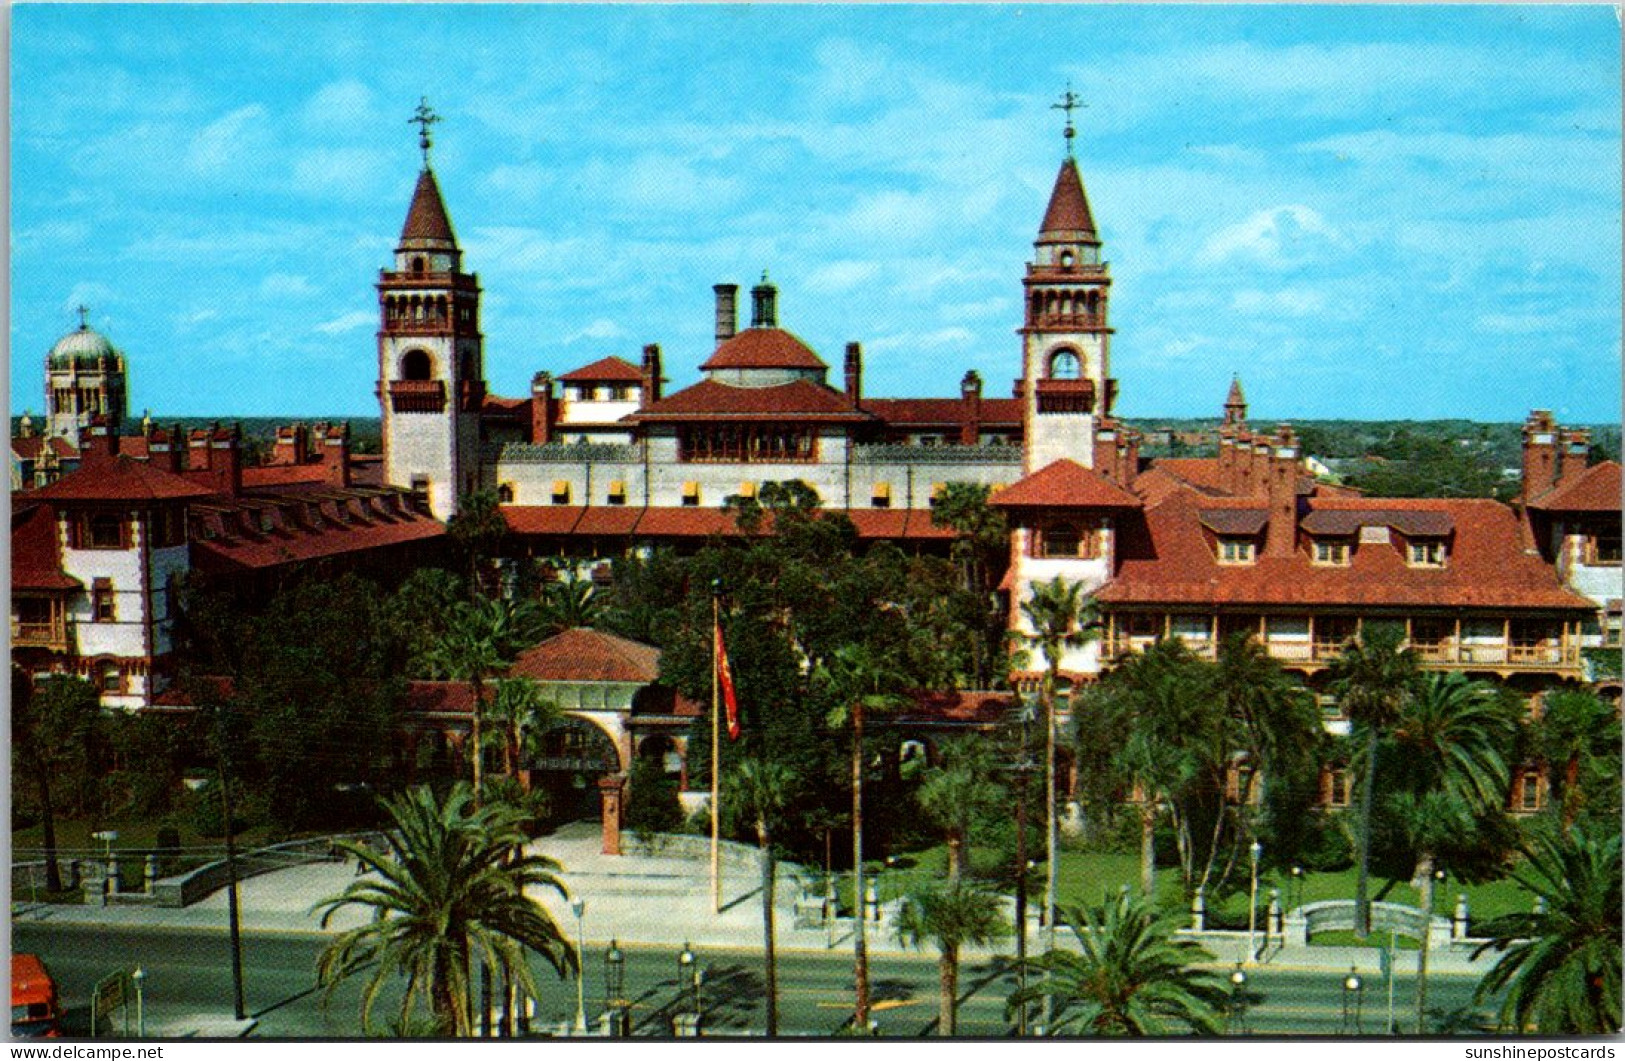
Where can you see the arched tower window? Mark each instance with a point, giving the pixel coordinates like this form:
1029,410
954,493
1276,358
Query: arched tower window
416,365
1063,364
418,264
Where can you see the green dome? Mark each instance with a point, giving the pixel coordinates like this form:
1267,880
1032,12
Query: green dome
81,348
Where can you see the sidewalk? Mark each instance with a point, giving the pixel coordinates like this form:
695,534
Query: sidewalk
658,902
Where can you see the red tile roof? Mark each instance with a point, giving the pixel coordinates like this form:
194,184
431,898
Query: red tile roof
133,446
939,412
426,218
1068,216
493,405
587,655
372,520
610,520
1064,484
665,522
101,478
29,448
800,400
36,553
685,523
605,370
542,519
439,698
1167,558
953,708
1347,516
1202,472
763,348
284,474
1597,489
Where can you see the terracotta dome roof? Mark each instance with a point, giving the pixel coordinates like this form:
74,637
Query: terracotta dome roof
764,348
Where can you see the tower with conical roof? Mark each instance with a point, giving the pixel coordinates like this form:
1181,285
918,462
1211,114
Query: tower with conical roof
84,378
1066,383
431,362
1235,405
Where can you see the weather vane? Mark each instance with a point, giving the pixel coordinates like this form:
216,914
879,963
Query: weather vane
423,118
1069,103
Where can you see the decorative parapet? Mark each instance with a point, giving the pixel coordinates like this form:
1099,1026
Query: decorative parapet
901,454
568,453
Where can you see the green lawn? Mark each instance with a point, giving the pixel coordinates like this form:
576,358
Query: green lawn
1087,877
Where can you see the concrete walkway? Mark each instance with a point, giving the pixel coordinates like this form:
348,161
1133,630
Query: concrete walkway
656,901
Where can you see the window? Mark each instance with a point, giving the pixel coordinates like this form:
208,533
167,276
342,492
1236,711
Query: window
691,494
617,492
747,489
937,491
102,608
618,394
1339,787
1529,791
102,530
1236,550
561,491
1059,540
1426,552
110,678
1332,551
416,365
1063,364
420,493
1605,547
505,494
880,495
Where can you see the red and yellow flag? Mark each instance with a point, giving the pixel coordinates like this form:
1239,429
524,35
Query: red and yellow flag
725,680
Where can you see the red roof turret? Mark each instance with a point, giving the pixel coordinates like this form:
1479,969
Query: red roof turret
427,225
1068,219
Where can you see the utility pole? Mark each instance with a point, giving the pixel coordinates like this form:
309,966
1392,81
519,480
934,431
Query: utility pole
232,911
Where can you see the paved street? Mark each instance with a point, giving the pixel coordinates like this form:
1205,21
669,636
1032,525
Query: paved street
188,973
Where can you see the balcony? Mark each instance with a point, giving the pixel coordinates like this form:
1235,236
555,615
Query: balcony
1444,654
417,396
47,635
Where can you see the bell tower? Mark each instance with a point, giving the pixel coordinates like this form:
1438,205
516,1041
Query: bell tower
1066,385
431,361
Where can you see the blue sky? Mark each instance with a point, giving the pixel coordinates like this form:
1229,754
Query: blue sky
1367,212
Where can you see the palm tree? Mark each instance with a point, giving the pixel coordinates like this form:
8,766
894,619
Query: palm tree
958,792
1372,679
481,639
449,893
569,603
524,713
1560,965
1576,737
1450,740
858,681
762,790
950,916
1130,976
1061,619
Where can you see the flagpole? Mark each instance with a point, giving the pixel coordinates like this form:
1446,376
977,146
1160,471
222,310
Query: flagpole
716,751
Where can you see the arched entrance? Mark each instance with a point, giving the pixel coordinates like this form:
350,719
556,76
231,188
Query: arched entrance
570,759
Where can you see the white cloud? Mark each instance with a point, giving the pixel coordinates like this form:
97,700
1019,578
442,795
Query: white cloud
223,144
839,277
1281,236
1290,301
340,105
600,329
347,323
286,285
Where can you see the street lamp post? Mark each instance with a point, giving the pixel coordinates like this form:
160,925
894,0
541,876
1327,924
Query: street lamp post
136,979
1237,1023
685,976
614,985
579,908
1255,850
1351,1002
1297,887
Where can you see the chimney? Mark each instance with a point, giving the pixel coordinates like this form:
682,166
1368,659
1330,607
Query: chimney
1576,454
1105,451
1259,469
25,426
197,444
764,309
970,409
225,459
1280,460
1539,454
166,449
727,314
336,454
1227,462
542,409
854,372
102,438
652,368
1129,453
292,445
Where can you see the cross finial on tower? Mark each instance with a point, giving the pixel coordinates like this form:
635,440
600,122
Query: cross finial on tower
1069,103
84,316
423,118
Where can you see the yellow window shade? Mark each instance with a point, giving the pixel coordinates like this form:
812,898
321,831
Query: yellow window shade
881,492
561,491
617,488
937,489
747,489
691,488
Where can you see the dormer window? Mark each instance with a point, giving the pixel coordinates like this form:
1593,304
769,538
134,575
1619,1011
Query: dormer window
1604,547
1237,550
1425,552
1332,552
1069,541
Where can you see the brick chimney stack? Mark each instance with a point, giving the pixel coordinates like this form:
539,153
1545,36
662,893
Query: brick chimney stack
1280,460
854,372
102,437
292,445
1576,454
1104,457
542,408
216,459
970,409
652,375
1539,454
1227,461
336,454
1128,449
727,311
166,449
